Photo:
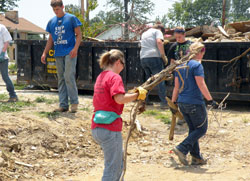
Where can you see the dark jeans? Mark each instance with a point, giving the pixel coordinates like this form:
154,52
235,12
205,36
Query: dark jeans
196,118
151,67
6,78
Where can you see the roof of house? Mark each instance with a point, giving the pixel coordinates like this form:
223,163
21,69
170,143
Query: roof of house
133,29
23,25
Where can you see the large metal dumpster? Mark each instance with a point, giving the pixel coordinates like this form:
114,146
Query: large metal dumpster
233,78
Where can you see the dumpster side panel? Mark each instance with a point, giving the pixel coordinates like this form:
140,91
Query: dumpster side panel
220,77
24,63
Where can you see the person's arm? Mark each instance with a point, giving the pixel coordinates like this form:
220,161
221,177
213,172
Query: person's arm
5,46
48,46
160,46
176,90
78,33
203,87
125,98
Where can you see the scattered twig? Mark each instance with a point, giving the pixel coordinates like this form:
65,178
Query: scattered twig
23,164
221,107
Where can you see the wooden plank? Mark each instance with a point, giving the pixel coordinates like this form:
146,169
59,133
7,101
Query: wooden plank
242,26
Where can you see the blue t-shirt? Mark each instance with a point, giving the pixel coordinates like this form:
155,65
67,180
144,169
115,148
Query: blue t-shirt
191,93
63,33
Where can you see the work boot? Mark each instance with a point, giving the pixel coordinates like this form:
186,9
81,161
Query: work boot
198,161
61,109
181,156
74,108
13,99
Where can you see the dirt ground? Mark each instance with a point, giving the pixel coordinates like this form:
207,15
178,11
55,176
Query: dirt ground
36,144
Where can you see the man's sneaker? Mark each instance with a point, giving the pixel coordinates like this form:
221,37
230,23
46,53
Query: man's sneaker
61,109
198,161
13,99
181,156
74,108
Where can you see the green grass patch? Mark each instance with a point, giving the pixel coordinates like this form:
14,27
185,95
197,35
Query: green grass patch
245,120
3,97
14,106
85,109
13,69
43,99
19,86
50,115
163,116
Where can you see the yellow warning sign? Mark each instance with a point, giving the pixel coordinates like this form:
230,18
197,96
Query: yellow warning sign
51,62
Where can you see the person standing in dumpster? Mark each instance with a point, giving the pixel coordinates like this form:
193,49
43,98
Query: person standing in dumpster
153,57
109,99
191,104
179,49
4,61
65,34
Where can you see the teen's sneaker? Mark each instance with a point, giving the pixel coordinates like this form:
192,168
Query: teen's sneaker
74,108
198,161
13,99
181,156
61,109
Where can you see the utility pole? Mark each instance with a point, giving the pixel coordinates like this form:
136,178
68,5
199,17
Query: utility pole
82,9
126,32
87,11
224,13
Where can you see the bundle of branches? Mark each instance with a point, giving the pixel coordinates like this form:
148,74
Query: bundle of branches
153,81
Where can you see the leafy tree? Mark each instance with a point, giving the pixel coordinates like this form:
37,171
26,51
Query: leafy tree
196,12
137,11
89,29
240,10
163,19
6,5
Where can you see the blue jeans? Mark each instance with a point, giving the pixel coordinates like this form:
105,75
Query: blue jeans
196,118
6,78
151,67
66,71
111,143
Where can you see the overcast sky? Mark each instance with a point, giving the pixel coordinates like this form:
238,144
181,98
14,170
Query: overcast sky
39,11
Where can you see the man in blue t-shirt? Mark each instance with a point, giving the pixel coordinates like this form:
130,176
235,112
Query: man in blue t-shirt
65,35
190,100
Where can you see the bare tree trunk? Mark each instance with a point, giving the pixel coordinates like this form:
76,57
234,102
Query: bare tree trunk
82,9
126,32
87,12
224,13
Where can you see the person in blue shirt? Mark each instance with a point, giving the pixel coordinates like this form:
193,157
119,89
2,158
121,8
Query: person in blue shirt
65,36
189,97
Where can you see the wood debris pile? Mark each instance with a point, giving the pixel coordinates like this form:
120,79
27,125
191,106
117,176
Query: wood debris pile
233,32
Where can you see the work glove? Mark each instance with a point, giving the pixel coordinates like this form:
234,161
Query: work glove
165,59
213,104
2,56
173,110
142,93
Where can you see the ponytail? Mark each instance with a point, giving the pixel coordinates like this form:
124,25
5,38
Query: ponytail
110,57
